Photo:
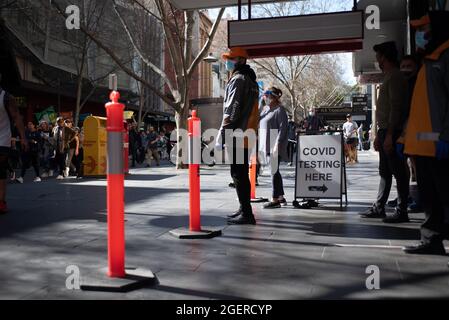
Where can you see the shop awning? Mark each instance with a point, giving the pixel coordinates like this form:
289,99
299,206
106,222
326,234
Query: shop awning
298,35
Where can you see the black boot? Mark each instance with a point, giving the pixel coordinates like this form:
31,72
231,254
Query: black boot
243,219
373,212
239,212
398,216
435,248
272,205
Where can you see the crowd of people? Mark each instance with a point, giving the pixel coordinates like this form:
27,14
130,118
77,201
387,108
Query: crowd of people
57,150
50,149
413,122
148,146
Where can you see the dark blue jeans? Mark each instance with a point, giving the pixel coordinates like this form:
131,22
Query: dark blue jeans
392,165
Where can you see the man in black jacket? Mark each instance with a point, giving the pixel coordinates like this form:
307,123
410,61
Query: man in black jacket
134,143
241,111
291,139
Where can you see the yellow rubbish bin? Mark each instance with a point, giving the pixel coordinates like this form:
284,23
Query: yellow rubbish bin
95,148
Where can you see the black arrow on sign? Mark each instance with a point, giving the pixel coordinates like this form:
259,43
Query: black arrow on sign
323,188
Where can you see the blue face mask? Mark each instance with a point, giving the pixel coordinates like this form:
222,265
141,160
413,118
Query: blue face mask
230,65
420,39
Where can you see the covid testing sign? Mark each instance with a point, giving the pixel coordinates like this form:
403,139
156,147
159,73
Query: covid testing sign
320,167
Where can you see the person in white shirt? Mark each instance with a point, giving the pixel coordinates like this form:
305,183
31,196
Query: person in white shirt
350,135
360,136
9,115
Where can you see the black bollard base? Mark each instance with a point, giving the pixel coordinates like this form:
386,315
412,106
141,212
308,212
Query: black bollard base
258,200
135,278
205,233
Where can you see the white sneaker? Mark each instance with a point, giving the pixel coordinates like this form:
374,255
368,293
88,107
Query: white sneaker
44,175
59,177
13,176
66,172
37,179
50,173
19,180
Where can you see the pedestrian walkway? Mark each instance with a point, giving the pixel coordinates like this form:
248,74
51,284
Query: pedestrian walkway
320,253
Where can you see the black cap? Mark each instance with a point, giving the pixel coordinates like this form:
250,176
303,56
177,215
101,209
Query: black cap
387,49
348,115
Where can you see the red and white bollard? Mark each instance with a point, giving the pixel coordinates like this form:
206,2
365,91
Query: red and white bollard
116,186
195,231
194,125
116,278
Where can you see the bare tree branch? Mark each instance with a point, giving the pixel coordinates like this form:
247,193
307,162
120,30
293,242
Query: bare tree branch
208,44
139,51
116,59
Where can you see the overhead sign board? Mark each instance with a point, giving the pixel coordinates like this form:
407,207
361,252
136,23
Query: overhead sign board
206,4
373,78
298,35
360,102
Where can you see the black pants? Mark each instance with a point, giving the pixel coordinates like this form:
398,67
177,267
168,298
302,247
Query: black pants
240,176
60,161
432,176
133,153
78,162
276,179
30,158
291,148
4,165
391,165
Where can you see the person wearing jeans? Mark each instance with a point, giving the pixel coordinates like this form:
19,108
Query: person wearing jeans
31,155
274,121
390,164
62,135
391,118
153,152
291,146
72,151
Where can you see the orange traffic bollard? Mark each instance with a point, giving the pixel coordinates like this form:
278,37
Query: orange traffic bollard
253,179
195,231
115,191
194,125
116,278
253,176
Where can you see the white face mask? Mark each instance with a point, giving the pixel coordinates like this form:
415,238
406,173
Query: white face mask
268,101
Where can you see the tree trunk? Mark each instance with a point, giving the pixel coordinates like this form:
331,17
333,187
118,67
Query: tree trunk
293,106
142,103
181,124
79,91
139,116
